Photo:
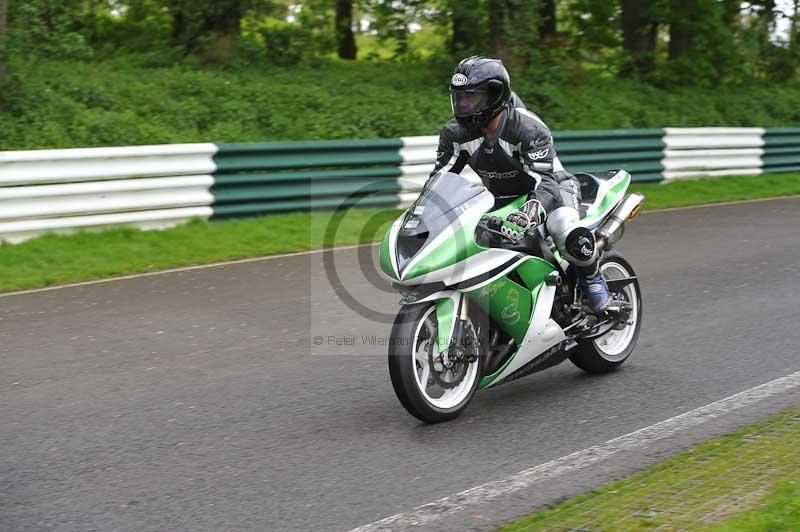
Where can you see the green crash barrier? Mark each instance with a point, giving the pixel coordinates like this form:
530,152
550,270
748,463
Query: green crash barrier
261,177
640,151
781,150
257,178
170,184
257,208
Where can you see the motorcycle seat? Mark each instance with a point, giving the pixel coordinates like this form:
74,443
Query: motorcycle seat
589,184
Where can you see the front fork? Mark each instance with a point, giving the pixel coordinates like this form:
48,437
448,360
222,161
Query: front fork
452,315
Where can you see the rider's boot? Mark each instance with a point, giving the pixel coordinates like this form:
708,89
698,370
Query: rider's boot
595,289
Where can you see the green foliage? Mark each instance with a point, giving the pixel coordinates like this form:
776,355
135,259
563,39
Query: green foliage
720,42
105,72
50,104
44,27
392,21
285,44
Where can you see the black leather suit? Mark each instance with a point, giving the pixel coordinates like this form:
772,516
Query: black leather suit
520,159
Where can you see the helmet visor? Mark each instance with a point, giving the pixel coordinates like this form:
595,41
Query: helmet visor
468,102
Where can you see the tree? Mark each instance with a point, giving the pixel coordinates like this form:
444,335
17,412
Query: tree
392,20
731,11
3,31
702,43
681,30
466,22
512,29
639,35
547,19
594,25
216,21
345,39
499,14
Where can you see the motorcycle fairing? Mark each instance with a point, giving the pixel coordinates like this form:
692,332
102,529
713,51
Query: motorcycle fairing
541,334
507,301
448,232
608,195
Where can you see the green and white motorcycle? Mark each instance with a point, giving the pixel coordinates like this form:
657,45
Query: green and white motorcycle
479,309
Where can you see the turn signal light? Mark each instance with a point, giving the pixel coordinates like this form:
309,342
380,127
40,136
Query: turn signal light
634,212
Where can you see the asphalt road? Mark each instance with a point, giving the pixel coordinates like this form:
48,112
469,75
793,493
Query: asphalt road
198,400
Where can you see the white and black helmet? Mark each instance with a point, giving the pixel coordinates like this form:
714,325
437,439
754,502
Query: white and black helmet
479,90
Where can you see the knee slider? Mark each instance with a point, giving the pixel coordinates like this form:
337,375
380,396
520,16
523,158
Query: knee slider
580,247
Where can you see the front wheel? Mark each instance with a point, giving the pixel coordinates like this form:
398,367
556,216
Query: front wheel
432,385
608,352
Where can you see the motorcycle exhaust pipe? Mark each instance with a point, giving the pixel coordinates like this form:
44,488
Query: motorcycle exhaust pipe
614,226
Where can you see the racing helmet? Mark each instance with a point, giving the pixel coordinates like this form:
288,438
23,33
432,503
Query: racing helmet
479,90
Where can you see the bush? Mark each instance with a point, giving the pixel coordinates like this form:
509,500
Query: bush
49,103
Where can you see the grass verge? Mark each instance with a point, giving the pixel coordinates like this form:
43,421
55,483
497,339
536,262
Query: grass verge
755,470
57,259
779,511
718,189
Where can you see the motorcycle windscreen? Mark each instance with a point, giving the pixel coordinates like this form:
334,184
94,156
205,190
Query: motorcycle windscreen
435,208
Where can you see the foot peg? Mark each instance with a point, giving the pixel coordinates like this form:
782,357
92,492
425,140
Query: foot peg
554,279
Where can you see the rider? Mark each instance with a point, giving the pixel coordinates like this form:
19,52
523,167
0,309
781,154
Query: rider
512,151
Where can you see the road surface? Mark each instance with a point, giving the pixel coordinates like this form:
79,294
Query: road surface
198,401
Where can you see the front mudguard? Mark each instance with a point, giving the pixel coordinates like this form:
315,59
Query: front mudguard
448,306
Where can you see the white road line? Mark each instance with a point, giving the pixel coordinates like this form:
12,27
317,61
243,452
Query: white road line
310,252
182,269
431,512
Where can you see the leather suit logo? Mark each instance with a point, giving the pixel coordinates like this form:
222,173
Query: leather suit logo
486,174
537,155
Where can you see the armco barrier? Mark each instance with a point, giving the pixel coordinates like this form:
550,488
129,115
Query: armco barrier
782,150
158,186
639,151
712,151
149,186
258,178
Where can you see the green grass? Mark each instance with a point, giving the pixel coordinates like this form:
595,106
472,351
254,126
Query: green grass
155,98
706,487
779,511
716,190
57,259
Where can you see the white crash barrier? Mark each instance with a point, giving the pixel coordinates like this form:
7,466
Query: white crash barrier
66,190
89,164
419,156
712,151
159,186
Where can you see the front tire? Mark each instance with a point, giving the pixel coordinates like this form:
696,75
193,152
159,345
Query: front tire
413,356
608,352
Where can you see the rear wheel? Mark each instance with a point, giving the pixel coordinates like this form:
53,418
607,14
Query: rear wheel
433,386
608,352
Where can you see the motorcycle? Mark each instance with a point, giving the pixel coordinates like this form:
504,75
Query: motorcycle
480,309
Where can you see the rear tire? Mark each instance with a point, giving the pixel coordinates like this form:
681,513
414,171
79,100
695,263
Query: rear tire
608,352
408,354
